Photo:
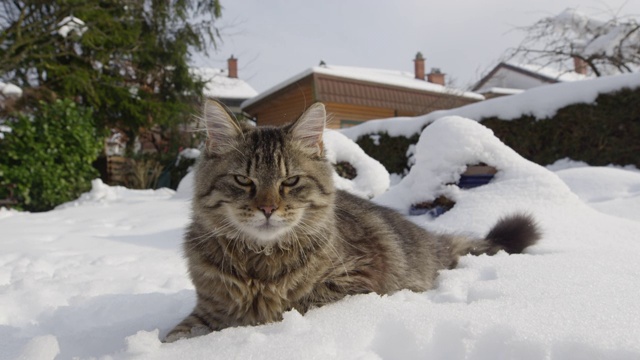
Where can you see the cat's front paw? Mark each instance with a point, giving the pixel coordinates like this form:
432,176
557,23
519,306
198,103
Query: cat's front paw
182,333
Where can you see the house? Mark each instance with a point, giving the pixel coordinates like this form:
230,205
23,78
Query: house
225,86
353,94
508,78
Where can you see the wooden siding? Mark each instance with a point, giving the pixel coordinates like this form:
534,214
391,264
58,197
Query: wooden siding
400,101
285,105
349,101
346,115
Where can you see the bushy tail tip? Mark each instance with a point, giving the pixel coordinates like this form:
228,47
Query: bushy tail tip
513,234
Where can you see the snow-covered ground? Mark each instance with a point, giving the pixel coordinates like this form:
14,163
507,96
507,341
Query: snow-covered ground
103,277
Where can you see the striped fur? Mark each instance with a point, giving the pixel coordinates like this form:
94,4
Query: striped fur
270,233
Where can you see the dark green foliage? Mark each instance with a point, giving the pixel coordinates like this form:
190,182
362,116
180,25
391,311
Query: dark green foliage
130,65
46,159
606,132
178,170
391,151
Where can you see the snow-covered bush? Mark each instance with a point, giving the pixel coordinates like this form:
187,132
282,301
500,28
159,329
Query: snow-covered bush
47,157
591,120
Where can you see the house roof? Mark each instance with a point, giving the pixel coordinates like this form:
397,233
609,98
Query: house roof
541,73
551,73
375,76
219,85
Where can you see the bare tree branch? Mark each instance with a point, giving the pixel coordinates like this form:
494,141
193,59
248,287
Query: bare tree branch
606,47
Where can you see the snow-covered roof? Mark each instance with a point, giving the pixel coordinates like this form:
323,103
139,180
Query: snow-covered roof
551,73
501,91
377,76
219,85
524,76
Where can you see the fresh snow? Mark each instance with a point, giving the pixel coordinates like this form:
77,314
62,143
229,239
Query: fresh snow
372,177
608,190
71,24
541,102
103,276
551,72
9,90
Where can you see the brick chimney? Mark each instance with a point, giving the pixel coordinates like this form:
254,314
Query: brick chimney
418,63
232,64
580,66
436,76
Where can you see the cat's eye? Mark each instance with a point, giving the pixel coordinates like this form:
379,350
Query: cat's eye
292,181
243,180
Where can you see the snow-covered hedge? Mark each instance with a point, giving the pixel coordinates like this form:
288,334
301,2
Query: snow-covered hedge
590,120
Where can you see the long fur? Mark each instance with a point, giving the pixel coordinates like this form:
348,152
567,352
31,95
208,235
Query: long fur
318,244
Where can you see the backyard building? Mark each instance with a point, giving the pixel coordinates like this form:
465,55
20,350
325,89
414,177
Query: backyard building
509,78
353,95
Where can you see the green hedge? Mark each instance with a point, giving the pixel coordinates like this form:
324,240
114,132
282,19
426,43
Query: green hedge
46,158
391,151
602,133
606,132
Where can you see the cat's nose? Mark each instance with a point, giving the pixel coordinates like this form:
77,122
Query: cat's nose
268,210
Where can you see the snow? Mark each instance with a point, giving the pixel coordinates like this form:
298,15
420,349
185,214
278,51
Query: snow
372,178
219,85
552,73
500,90
103,276
608,190
71,24
541,102
4,129
10,90
378,76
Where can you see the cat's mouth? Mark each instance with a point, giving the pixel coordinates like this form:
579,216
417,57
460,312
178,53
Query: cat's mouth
266,230
267,226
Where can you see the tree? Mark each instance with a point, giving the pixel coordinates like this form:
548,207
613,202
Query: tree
606,47
126,60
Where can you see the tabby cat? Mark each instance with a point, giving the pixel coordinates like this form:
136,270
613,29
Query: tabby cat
270,232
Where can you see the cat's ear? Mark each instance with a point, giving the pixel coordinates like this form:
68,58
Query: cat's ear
308,129
223,130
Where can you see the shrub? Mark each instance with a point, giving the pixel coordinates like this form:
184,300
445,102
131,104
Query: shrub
602,133
390,151
46,158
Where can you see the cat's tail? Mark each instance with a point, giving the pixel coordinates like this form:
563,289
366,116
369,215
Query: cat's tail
512,234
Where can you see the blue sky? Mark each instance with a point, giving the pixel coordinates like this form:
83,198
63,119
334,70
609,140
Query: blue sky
276,39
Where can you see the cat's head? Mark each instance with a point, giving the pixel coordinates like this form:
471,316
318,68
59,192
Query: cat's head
263,184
